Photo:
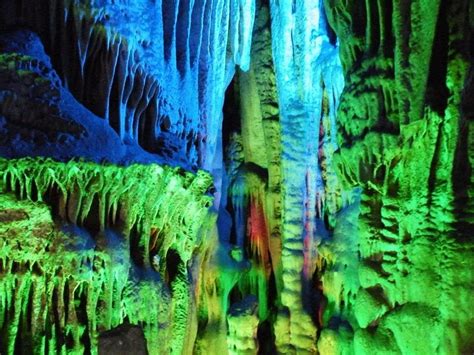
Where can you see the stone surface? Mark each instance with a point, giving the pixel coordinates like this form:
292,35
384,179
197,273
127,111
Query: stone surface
123,340
336,213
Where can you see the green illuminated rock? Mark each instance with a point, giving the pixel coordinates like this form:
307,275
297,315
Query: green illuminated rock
339,217
63,284
401,280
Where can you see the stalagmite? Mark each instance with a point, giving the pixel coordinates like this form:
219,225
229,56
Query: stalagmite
110,283
243,322
299,64
236,176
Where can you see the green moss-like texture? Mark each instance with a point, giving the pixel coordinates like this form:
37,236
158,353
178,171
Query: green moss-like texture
368,217
403,282
342,212
101,257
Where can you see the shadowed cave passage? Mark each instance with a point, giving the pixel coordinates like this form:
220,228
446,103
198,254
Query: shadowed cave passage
236,177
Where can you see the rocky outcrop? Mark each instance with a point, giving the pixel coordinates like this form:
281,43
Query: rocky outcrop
243,324
123,340
83,245
156,72
403,141
39,117
236,176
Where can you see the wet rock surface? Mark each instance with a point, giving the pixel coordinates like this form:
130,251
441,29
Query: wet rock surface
336,213
123,340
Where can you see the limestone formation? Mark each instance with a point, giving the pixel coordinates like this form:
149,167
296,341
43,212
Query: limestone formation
236,177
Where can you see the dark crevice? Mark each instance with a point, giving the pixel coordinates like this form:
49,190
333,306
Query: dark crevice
437,93
173,262
389,40
92,221
80,307
266,339
432,179
231,112
136,251
374,35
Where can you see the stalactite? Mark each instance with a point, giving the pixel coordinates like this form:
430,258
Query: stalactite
300,62
90,284
390,152
121,78
343,199
139,191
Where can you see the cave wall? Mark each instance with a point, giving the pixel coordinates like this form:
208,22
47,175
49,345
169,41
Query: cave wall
236,176
404,139
155,72
373,178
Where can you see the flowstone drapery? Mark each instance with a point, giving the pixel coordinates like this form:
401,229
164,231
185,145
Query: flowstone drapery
236,176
